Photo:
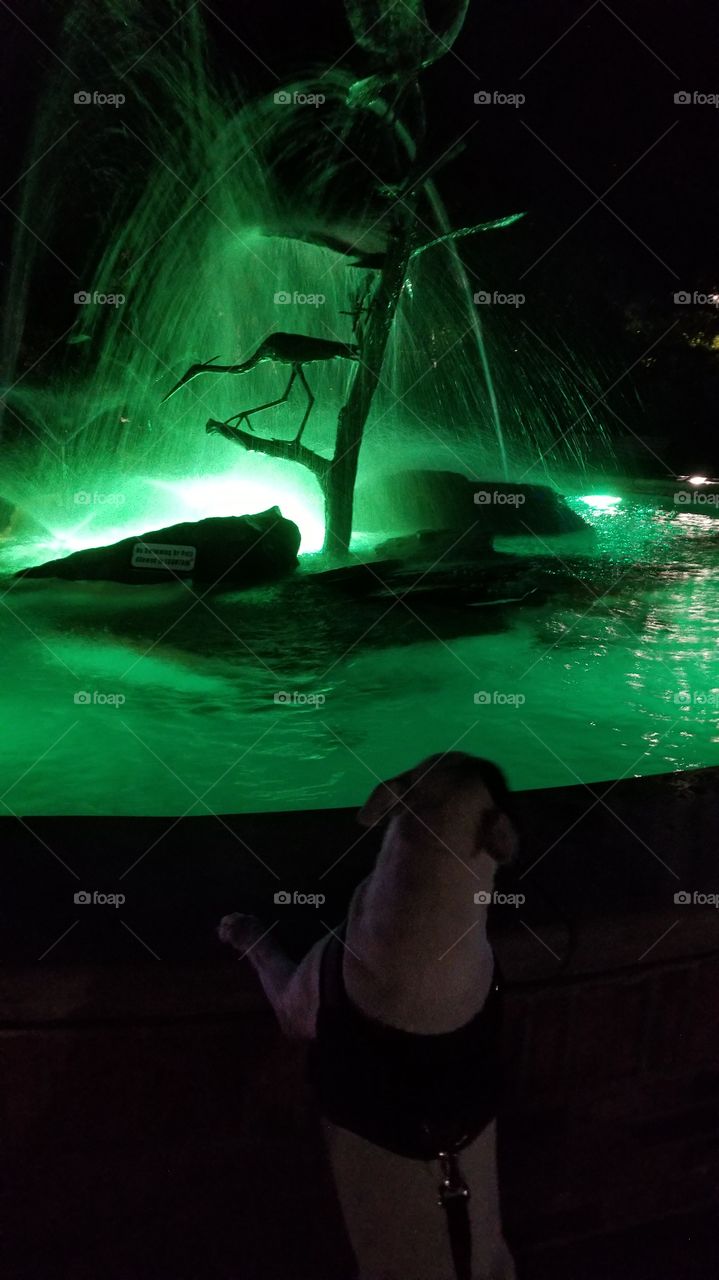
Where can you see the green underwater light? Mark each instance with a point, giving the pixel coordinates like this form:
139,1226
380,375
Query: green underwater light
600,501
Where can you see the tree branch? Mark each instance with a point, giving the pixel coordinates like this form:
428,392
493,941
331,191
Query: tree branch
288,450
494,225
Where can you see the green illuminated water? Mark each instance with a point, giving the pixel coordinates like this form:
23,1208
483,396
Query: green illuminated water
617,668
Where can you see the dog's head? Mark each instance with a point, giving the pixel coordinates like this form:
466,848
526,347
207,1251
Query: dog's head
448,792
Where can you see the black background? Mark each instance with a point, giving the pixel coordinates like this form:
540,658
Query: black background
599,84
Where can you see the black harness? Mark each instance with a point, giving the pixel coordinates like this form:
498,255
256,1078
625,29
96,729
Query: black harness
425,1097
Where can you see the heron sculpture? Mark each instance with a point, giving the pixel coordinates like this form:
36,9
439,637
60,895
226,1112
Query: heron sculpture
294,349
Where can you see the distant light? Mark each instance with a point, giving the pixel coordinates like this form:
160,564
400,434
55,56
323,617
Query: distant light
698,480
600,501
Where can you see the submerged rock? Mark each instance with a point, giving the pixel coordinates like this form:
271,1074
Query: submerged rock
224,551
443,500
434,546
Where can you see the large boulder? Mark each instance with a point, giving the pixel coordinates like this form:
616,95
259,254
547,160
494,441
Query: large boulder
425,499
237,551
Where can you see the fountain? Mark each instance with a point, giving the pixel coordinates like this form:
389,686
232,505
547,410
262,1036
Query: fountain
241,220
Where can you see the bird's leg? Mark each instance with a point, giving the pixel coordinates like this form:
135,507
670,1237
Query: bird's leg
310,400
238,417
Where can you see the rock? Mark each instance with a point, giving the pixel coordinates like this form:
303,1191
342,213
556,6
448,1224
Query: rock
443,500
236,551
433,546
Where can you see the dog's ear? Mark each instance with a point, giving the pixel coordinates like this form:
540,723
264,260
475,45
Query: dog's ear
383,800
498,837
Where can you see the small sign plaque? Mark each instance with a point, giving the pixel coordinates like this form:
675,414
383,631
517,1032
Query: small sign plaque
163,555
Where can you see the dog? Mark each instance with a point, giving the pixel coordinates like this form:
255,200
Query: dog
416,962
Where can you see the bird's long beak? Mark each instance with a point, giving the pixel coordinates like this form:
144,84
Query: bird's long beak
209,367
191,373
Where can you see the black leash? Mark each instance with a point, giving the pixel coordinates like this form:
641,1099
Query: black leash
454,1199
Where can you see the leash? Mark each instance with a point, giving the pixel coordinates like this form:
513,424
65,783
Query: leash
454,1199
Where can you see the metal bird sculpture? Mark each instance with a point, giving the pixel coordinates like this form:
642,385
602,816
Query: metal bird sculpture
294,349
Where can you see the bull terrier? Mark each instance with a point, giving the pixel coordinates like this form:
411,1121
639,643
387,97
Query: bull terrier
416,969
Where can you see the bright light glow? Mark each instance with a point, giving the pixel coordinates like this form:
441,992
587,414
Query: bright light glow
232,495
698,480
155,504
600,501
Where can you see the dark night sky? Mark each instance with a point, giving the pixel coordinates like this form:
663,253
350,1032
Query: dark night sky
599,99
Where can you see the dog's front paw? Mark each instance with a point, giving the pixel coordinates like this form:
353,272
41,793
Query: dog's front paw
241,931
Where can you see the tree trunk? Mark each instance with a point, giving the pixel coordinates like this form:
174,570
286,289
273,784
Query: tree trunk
372,337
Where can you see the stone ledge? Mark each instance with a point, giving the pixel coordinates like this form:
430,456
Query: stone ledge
599,889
